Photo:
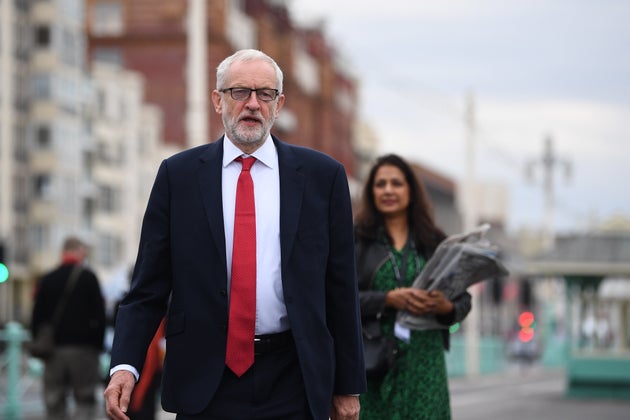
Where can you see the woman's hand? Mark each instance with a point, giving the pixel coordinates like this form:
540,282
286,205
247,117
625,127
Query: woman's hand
418,302
442,305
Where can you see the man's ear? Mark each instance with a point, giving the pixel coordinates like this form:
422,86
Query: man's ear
217,101
279,105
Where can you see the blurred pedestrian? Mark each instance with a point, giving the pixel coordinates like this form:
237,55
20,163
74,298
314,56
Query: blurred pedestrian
248,241
73,368
395,237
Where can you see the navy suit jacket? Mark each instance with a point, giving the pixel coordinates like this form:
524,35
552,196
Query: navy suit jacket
182,264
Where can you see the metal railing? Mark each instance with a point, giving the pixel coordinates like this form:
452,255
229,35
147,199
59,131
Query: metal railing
18,374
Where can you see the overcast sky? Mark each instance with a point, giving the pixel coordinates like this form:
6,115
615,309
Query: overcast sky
537,68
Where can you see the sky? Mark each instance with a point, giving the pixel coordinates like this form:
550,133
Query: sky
534,70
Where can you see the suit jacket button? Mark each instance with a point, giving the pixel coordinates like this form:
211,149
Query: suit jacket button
223,292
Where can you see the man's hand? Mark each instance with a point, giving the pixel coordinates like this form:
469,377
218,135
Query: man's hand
118,394
345,407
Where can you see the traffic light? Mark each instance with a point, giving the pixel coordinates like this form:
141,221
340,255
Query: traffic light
527,323
496,290
4,270
526,297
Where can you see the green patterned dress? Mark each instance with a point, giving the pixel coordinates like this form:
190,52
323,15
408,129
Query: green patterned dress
417,387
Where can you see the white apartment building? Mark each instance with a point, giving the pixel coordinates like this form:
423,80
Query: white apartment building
129,148
14,174
62,194
78,151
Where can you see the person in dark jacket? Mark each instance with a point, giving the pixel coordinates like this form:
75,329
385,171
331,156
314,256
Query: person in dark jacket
247,250
79,333
395,237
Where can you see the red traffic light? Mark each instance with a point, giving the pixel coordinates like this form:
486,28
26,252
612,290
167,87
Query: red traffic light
526,319
527,322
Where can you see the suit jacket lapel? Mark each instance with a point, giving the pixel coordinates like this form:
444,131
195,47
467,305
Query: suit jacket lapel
209,178
291,190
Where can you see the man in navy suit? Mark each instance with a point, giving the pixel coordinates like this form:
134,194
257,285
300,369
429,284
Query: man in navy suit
308,349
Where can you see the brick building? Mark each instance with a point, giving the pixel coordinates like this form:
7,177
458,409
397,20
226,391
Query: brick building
151,37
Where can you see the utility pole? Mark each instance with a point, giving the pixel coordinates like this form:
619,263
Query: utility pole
548,162
470,208
7,145
197,74
471,332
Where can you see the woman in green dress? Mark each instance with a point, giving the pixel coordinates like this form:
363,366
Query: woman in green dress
395,236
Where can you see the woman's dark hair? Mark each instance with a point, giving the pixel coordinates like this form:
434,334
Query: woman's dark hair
369,220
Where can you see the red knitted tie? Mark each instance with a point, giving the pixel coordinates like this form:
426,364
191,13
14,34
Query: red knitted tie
240,341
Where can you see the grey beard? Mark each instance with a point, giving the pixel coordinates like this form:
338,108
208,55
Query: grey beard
248,137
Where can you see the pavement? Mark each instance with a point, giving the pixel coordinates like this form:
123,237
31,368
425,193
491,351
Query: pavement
514,394
528,393
32,406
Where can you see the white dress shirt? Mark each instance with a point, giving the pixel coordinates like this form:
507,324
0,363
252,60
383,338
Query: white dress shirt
271,314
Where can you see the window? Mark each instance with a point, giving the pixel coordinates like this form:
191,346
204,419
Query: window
68,93
20,245
70,48
108,55
42,36
21,5
101,102
71,10
40,235
88,164
43,137
88,210
41,186
104,152
41,85
107,18
22,40
108,199
21,93
110,249
21,194
21,146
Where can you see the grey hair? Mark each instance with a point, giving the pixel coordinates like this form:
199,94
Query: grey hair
244,56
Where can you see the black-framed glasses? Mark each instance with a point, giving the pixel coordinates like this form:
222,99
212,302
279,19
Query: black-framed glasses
243,93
